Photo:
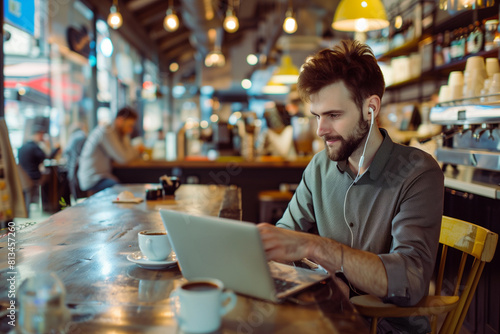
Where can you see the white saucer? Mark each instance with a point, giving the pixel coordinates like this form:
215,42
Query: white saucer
142,261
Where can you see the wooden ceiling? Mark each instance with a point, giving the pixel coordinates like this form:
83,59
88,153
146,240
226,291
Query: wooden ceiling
143,23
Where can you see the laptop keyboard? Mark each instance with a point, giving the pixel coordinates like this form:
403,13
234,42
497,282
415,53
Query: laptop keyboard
282,285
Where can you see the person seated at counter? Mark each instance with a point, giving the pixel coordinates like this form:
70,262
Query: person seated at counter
31,156
105,144
367,209
71,153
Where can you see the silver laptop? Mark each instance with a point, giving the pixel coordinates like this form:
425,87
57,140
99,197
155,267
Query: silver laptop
232,251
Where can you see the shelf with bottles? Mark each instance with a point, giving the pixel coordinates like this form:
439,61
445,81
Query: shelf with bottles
445,52
424,76
458,65
410,23
402,50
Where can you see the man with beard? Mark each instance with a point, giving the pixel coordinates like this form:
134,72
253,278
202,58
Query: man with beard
368,210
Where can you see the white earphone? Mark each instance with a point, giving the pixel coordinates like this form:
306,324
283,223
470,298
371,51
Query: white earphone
358,176
362,159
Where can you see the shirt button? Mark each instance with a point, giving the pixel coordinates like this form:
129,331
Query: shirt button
351,224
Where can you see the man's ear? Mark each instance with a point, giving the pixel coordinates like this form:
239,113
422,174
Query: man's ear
373,107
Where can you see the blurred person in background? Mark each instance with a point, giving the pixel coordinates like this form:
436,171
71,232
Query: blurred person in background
77,137
104,145
31,155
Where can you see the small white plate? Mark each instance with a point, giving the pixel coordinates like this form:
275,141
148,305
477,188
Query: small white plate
142,261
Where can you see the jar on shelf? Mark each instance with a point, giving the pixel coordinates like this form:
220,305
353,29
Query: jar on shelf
491,35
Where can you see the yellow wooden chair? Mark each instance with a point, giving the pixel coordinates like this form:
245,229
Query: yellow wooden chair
471,240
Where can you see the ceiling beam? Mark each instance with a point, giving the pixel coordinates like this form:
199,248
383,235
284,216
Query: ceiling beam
131,30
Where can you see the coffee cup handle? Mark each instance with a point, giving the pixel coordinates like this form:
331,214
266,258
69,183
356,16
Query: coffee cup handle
231,302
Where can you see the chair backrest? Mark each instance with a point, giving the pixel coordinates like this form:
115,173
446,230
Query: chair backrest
74,185
26,182
473,241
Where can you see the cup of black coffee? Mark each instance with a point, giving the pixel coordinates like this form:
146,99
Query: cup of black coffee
199,305
170,184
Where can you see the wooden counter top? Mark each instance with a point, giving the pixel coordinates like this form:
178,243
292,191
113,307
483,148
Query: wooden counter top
87,246
271,163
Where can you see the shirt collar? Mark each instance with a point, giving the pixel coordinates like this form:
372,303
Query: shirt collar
380,159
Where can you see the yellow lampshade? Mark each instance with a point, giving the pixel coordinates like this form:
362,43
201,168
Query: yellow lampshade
287,73
360,15
275,88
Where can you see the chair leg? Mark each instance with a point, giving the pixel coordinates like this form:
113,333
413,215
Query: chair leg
434,324
373,326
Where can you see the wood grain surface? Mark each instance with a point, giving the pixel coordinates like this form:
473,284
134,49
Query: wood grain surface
87,246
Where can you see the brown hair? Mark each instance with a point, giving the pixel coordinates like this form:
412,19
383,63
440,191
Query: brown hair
351,62
127,112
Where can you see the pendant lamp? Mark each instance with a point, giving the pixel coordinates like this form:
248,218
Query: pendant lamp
360,16
287,72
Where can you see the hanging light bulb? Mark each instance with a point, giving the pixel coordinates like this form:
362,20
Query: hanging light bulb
171,21
215,58
231,23
115,19
290,24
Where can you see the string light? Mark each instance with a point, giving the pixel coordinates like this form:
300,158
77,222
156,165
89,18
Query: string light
231,23
215,58
290,24
115,19
171,21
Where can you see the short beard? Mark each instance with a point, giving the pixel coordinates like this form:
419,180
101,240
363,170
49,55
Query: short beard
349,145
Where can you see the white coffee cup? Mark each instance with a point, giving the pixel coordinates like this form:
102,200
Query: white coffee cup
154,244
444,94
199,305
456,78
492,66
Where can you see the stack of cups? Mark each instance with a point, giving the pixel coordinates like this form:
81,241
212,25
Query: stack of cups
491,85
492,66
444,94
474,77
456,85
494,88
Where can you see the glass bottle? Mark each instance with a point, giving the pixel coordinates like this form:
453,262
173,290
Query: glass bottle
462,42
475,41
42,307
438,50
454,45
446,47
490,30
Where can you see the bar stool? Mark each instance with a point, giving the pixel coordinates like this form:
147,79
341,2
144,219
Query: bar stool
272,205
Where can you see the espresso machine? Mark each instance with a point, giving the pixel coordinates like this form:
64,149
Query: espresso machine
471,137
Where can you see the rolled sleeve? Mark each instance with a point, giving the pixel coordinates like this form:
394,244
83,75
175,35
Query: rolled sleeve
415,231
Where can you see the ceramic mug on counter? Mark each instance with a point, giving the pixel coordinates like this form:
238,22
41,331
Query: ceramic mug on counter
154,244
199,305
170,184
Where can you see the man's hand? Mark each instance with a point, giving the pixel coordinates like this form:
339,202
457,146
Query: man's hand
363,269
285,245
